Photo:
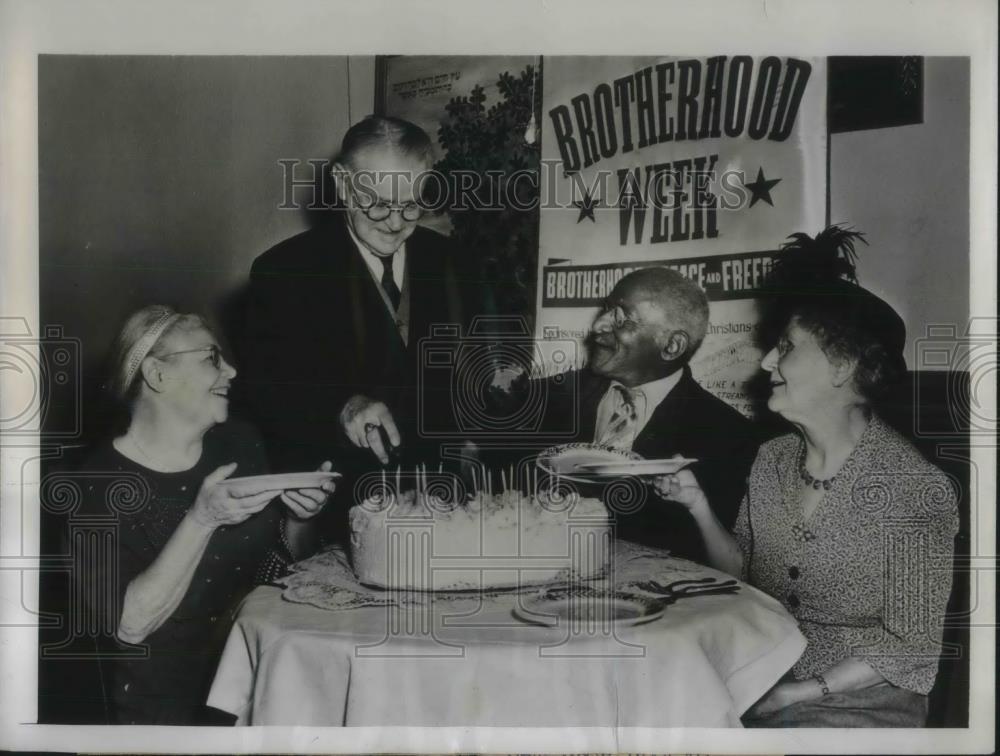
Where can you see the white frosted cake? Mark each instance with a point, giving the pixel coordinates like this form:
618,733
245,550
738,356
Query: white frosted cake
419,542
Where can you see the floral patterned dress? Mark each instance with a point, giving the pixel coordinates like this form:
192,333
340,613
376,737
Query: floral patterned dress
868,575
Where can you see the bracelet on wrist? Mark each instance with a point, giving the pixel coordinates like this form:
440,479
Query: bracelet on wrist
822,684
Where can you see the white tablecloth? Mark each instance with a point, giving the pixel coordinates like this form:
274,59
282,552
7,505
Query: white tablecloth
470,662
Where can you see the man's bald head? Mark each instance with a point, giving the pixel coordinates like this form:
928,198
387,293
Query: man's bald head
682,300
653,322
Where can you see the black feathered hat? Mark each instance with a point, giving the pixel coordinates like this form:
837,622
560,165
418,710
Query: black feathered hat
822,269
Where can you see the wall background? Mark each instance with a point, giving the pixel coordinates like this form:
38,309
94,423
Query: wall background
159,179
907,188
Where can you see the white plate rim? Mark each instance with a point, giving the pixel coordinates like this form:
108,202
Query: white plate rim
637,467
321,477
523,611
544,456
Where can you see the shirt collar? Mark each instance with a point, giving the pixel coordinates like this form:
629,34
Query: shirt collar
373,261
656,391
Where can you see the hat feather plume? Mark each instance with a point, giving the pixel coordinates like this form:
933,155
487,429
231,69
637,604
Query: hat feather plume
828,257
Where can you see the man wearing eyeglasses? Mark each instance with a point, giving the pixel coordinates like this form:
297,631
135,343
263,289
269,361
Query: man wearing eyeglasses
335,314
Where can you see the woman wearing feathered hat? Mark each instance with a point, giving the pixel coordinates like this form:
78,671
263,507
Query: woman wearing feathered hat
844,521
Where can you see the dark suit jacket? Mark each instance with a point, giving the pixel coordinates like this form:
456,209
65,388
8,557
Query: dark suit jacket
689,421
317,332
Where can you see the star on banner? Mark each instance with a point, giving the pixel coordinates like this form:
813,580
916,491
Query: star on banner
761,188
586,207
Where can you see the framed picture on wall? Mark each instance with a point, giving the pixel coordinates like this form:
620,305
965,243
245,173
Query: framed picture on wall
420,87
874,92
483,115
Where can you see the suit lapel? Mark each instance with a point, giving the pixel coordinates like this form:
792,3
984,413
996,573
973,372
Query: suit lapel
431,284
420,299
374,326
592,390
660,434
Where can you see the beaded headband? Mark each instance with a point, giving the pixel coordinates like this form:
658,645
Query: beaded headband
145,344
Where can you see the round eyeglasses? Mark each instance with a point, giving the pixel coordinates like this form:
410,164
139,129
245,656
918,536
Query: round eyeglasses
215,354
619,318
379,211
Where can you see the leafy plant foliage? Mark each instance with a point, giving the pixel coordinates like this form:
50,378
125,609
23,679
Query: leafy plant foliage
498,224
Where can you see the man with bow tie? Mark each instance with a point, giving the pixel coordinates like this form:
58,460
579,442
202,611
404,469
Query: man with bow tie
637,394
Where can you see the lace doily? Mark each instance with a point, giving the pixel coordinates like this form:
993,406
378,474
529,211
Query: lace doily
327,580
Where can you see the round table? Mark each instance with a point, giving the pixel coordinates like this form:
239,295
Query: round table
470,660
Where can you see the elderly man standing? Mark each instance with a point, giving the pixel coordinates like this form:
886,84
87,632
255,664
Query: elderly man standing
637,394
335,314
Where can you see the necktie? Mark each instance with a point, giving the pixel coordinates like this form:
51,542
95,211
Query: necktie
621,427
388,282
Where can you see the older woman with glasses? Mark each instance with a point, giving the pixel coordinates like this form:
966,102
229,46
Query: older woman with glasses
843,521
190,545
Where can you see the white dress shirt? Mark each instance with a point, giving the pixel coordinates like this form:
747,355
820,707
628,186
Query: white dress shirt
647,398
375,264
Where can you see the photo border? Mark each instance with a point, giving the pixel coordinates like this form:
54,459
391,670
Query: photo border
312,27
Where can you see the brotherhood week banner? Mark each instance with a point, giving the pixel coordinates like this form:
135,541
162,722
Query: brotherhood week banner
703,165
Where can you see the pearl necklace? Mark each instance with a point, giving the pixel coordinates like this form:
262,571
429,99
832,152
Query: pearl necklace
816,483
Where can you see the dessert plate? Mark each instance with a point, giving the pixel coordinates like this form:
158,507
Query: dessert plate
254,484
568,460
637,467
561,606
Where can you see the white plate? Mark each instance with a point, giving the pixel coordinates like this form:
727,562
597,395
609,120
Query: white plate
254,484
561,606
568,460
638,467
